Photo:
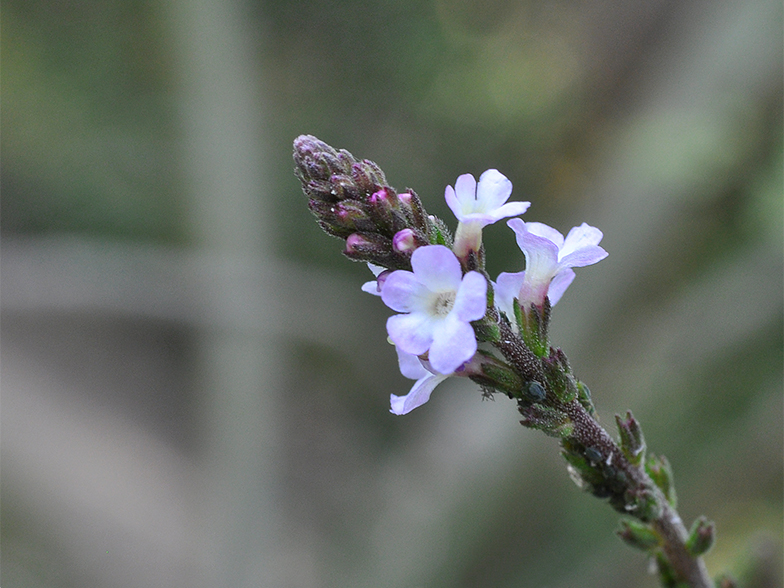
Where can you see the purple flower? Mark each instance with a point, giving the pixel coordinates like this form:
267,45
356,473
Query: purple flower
426,381
548,262
439,303
478,205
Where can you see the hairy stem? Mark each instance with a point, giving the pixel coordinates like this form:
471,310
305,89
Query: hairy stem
588,433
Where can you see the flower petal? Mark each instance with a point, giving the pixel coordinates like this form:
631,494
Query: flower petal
493,190
413,333
462,198
403,292
587,255
419,394
579,237
409,365
560,283
471,300
545,231
454,343
507,210
371,288
436,267
508,288
541,253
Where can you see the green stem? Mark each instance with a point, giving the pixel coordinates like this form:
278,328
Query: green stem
668,524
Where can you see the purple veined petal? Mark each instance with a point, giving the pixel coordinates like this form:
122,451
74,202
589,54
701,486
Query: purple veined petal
546,232
560,283
410,366
580,237
493,190
587,255
471,300
454,343
403,292
508,288
419,394
413,333
437,268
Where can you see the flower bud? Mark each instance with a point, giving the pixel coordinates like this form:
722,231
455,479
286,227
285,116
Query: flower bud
584,398
701,537
632,440
551,421
660,471
367,176
638,535
404,241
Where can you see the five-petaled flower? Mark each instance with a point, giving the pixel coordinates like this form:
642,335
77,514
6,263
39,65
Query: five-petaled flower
548,262
439,303
478,205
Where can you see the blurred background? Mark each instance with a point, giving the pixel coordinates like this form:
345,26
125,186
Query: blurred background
195,391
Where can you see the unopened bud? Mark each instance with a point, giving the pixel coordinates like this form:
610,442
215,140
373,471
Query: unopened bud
367,247
632,440
701,537
638,535
660,471
367,176
404,241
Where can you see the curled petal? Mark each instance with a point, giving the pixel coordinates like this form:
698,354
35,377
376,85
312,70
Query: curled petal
507,288
507,210
419,394
374,287
587,255
410,366
371,288
560,283
542,230
580,237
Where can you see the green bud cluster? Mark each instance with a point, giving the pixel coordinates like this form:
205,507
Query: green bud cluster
351,200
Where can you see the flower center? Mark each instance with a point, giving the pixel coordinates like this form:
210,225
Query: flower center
443,303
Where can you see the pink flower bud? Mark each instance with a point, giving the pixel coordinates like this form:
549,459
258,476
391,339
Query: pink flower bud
404,241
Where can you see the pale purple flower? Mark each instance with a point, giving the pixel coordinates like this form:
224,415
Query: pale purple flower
548,262
426,381
439,303
478,205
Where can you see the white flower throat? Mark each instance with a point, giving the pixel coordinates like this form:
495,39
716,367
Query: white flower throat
443,303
